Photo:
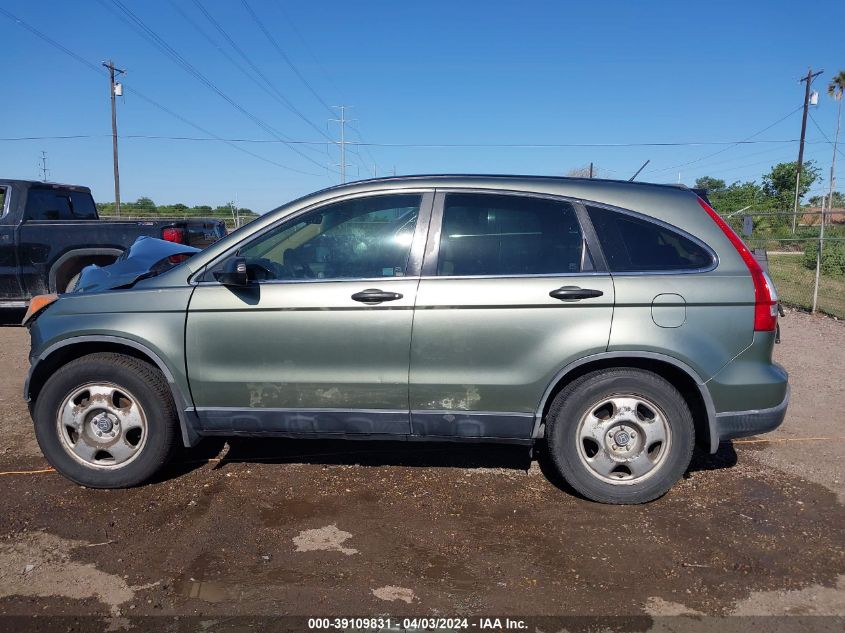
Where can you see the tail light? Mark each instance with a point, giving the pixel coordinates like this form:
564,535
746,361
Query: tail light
765,298
172,234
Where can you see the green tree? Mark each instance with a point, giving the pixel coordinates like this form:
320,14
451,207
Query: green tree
144,204
740,195
838,200
779,183
712,185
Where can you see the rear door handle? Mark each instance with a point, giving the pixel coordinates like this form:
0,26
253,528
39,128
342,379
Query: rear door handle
574,293
371,296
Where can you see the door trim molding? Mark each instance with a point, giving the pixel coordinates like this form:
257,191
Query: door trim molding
396,423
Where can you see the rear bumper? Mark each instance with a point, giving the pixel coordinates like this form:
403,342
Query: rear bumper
732,424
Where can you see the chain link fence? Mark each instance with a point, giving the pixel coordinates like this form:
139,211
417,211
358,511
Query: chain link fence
807,266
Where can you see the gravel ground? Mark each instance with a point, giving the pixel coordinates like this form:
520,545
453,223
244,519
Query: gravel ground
358,528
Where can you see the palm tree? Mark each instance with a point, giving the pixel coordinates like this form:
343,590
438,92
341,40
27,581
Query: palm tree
836,88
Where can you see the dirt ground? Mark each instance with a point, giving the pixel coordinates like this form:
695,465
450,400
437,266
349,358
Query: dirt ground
359,528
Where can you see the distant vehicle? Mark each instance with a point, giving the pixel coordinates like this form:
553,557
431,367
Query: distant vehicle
50,232
621,322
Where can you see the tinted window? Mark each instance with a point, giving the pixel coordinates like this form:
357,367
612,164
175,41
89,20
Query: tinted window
508,235
633,244
47,204
59,204
82,206
363,238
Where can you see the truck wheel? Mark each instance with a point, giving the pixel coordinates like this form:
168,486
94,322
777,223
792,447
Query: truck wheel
71,284
106,421
620,435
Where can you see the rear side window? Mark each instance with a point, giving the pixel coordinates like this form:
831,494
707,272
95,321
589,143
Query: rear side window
633,244
47,204
500,235
59,204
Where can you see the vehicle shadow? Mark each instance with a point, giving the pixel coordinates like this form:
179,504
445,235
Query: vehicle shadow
368,453
224,451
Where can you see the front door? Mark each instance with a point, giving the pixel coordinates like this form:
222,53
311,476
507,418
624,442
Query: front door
318,343
510,294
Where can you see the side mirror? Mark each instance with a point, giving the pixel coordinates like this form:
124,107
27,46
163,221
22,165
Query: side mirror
233,273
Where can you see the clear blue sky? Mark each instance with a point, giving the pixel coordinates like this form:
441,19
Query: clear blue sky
417,73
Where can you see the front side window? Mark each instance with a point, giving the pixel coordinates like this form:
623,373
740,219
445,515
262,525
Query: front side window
500,235
355,239
633,244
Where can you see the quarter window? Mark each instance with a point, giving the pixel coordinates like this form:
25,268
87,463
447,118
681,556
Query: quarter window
488,234
633,244
355,239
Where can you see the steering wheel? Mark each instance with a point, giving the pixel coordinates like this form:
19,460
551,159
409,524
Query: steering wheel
301,270
262,269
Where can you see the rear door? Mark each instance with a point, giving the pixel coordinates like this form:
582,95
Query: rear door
510,294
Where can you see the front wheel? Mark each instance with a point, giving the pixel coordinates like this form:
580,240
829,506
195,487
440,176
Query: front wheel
106,421
620,435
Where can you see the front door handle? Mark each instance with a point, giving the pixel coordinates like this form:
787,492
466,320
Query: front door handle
574,293
371,296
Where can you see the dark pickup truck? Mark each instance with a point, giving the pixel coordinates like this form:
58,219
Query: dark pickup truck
50,232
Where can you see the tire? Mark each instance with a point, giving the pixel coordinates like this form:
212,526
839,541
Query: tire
71,284
620,436
106,420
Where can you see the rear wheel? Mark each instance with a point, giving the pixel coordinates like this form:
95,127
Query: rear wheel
106,421
620,435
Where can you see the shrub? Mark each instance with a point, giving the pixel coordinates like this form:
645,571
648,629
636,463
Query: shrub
833,258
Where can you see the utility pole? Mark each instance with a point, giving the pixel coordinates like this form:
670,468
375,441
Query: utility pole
113,92
591,170
43,168
342,121
809,80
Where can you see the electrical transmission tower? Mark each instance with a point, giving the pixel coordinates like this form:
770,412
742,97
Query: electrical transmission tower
42,168
342,121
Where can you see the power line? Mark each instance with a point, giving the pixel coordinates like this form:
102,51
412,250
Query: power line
46,38
305,44
225,54
413,145
282,54
301,77
147,33
281,97
826,137
287,60
698,160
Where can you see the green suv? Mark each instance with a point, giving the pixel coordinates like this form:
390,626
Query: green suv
620,322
